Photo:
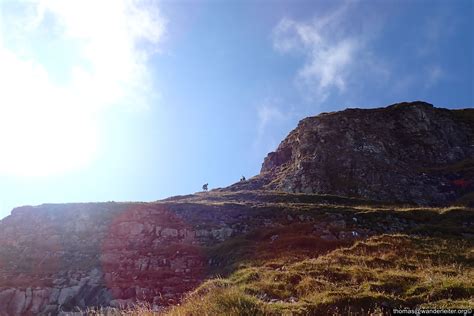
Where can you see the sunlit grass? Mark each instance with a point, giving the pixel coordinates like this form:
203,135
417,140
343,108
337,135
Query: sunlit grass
369,276
398,270
408,257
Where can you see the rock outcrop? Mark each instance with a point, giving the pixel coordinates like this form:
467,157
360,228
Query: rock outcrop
56,258
406,152
62,257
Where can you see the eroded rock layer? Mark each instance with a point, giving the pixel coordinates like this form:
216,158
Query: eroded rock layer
407,152
56,258
61,257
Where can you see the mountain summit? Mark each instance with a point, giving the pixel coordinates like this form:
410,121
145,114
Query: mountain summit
254,249
406,152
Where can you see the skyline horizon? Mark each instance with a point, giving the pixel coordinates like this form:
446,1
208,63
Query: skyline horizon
142,100
230,184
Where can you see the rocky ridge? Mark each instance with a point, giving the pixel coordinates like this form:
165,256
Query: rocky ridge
56,258
406,152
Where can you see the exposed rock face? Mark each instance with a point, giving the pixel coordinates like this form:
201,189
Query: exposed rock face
56,258
59,257
407,152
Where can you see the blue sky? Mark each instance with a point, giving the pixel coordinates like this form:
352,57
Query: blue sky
139,100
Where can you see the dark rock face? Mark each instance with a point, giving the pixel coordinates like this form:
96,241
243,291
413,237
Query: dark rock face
56,258
407,152
62,257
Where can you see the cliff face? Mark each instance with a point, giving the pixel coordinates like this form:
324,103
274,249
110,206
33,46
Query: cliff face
56,258
407,152
59,257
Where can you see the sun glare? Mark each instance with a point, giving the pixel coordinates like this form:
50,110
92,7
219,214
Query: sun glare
49,127
42,131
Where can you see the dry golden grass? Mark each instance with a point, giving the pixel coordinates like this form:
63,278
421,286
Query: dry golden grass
429,263
365,278
397,270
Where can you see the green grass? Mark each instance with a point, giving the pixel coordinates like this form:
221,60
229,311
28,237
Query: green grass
411,256
299,274
395,270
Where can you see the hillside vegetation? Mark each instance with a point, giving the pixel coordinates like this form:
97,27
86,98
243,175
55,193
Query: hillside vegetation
334,256
356,212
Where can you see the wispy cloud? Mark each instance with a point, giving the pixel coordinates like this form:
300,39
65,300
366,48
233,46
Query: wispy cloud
329,48
344,52
49,122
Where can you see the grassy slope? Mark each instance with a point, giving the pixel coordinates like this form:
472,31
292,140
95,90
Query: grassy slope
430,263
386,270
427,261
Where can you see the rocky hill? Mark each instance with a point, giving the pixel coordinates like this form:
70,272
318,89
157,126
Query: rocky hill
55,259
406,152
259,247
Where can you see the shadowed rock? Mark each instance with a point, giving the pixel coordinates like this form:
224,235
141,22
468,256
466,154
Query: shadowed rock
59,257
406,152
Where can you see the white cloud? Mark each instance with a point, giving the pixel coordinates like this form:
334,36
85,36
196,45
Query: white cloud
329,66
329,48
49,125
